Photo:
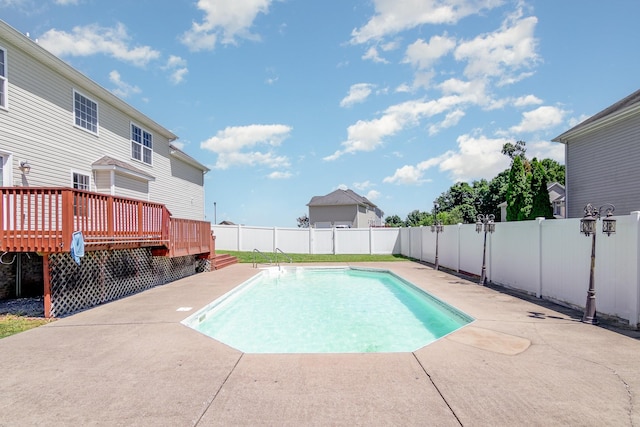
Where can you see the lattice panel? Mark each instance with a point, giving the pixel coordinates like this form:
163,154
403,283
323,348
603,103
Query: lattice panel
104,276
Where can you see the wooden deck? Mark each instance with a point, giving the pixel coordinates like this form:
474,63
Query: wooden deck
44,219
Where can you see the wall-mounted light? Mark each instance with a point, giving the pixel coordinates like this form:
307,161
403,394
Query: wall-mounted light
25,167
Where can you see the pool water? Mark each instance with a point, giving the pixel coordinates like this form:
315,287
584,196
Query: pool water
327,310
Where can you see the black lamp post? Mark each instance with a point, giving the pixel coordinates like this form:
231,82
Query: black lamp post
485,222
588,228
437,228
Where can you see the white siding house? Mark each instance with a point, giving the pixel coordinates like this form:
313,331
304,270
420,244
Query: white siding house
602,155
72,132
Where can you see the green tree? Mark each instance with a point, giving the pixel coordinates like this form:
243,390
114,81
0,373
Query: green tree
416,218
541,206
393,221
496,194
518,192
555,171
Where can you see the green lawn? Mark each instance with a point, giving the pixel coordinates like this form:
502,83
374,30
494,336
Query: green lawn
248,257
11,324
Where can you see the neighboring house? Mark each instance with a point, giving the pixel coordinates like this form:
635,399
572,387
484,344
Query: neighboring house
58,128
556,198
602,155
343,209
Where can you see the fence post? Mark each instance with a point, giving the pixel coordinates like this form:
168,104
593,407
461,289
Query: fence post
458,247
635,309
370,240
540,220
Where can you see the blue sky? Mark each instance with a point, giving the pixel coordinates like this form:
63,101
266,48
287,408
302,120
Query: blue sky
394,99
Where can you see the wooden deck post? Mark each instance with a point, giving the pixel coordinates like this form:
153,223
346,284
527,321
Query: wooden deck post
47,285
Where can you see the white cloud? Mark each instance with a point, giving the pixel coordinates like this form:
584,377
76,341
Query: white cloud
93,39
361,186
357,93
393,16
423,55
224,21
503,53
373,195
527,100
233,145
451,119
279,175
407,175
546,150
541,118
177,68
123,90
476,157
368,135
373,55
66,2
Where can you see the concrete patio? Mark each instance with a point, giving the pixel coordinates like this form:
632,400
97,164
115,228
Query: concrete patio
131,362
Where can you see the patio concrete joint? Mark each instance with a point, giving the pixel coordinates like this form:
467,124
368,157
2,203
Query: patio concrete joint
437,389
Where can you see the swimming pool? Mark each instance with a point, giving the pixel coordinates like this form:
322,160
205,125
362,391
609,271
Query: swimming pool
327,310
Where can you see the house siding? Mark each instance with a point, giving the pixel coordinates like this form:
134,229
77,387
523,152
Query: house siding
603,165
39,127
333,214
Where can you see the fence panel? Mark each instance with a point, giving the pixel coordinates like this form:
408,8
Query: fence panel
471,244
385,240
515,255
322,242
293,240
352,241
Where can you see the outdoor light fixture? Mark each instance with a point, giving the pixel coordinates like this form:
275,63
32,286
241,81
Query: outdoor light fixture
437,228
588,228
25,167
485,222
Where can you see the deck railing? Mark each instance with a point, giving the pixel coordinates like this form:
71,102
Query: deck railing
44,220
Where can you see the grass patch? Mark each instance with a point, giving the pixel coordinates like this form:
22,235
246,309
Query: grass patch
248,257
11,324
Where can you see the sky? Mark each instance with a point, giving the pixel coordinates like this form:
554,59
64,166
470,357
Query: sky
396,100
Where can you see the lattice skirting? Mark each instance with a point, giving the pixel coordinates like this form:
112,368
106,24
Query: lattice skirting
104,276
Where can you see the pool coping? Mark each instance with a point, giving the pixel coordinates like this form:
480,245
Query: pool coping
132,362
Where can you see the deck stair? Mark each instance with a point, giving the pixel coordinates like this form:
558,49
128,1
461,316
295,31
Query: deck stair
219,261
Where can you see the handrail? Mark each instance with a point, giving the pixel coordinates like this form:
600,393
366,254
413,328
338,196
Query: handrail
287,256
255,263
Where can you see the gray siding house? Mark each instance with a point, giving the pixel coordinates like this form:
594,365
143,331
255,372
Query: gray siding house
58,128
602,155
343,208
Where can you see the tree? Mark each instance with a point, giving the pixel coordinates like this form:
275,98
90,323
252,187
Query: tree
555,171
416,218
393,221
541,206
518,192
303,221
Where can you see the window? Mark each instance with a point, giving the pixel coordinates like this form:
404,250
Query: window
3,78
85,112
141,144
80,201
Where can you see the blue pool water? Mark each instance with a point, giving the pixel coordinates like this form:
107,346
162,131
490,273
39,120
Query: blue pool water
327,310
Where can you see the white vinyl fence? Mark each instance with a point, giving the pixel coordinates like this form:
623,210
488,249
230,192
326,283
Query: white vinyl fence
546,258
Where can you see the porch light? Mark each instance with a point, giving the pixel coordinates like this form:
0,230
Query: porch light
25,167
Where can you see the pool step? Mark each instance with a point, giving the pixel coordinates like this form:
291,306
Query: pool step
219,261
